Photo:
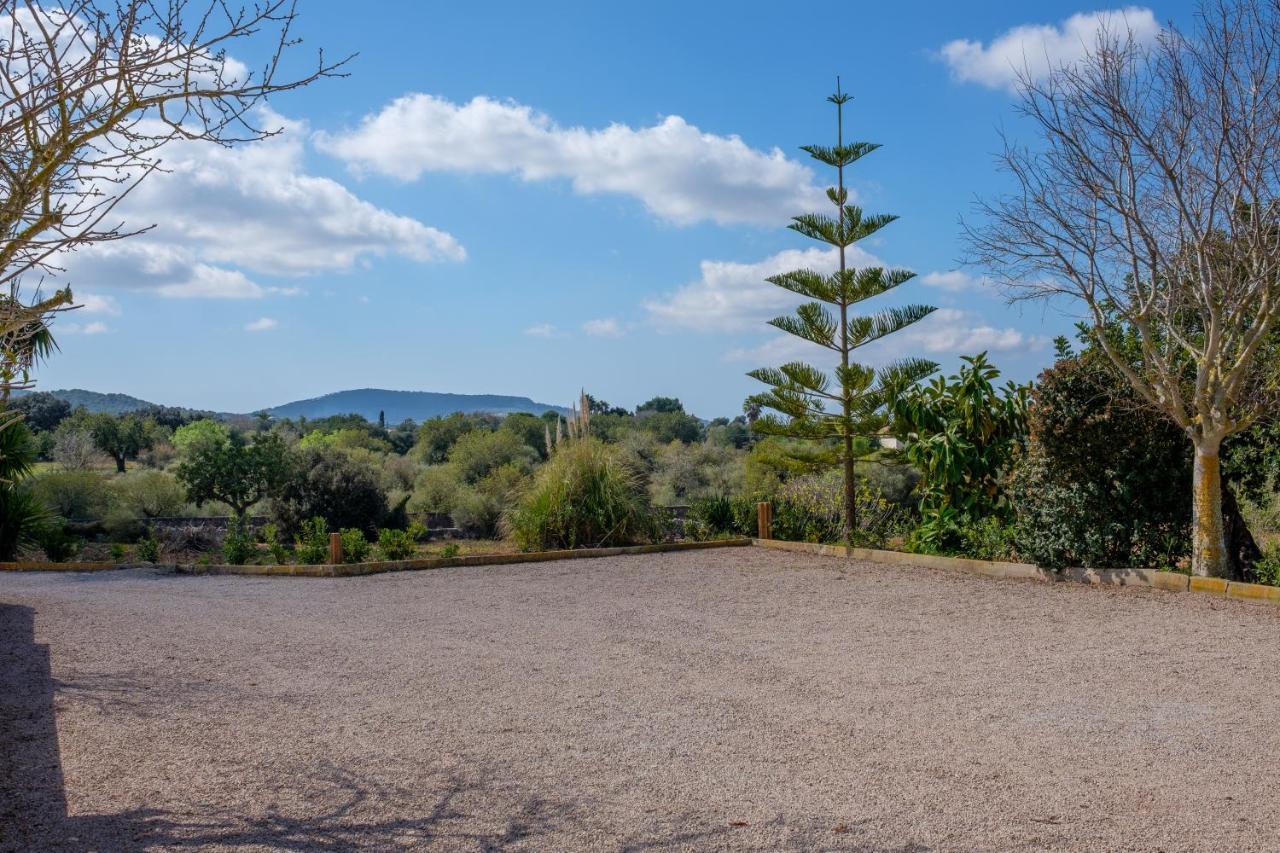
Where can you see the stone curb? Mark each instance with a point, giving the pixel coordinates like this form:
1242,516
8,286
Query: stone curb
1151,578
60,567
358,569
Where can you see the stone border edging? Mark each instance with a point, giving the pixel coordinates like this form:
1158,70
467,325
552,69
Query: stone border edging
1151,578
60,567
344,570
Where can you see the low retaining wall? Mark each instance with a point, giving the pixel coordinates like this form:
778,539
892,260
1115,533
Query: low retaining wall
1152,578
344,570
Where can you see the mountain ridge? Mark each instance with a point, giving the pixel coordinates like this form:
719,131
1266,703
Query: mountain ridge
367,402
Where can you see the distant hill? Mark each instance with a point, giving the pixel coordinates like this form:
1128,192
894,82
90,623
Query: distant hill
399,405
116,404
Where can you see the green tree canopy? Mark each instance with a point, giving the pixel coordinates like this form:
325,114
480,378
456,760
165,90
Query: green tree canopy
236,472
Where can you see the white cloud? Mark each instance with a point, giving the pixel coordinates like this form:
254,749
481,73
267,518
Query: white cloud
679,172
222,215
95,328
97,303
541,330
731,296
262,324
1039,48
607,327
953,331
955,281
947,331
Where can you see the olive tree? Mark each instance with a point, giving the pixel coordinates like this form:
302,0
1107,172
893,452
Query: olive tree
1153,197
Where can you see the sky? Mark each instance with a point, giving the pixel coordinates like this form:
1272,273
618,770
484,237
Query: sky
530,199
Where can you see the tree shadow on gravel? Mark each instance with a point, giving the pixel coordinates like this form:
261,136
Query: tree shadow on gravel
32,798
475,810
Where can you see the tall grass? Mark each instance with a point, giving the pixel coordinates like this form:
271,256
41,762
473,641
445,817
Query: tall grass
585,496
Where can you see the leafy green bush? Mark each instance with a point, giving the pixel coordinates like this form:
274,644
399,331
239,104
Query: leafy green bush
77,495
395,544
710,517
118,552
355,547
237,544
311,544
148,549
1106,480
1267,569
22,516
150,494
584,496
58,545
962,434
450,551
279,551
333,485
418,531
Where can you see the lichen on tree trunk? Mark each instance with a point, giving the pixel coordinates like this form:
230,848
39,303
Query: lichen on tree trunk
1208,534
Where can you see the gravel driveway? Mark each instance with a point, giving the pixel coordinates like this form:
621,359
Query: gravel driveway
731,699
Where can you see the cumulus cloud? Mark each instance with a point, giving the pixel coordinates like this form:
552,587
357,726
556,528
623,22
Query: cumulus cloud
954,281
731,296
541,330
1038,48
607,327
97,303
223,215
262,324
95,328
947,331
680,173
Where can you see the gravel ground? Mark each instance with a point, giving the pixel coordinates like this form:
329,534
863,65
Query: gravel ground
731,699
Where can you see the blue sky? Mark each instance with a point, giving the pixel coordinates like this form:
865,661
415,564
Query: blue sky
601,217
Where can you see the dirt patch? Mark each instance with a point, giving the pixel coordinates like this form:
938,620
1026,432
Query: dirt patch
733,699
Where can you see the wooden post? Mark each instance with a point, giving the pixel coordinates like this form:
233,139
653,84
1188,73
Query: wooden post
764,520
335,548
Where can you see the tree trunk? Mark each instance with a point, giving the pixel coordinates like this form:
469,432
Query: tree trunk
850,493
1208,534
119,464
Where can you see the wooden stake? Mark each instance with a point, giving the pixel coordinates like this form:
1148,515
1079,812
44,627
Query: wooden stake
764,520
335,548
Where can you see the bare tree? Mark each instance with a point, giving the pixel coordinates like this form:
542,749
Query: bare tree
91,91
1154,197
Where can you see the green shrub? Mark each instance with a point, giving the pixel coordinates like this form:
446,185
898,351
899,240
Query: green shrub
584,496
710,517
77,495
1106,480
22,515
478,509
148,549
434,489
395,544
988,539
237,544
150,494
58,545
963,435
450,551
418,531
1267,569
311,545
279,551
355,547
333,485
118,552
